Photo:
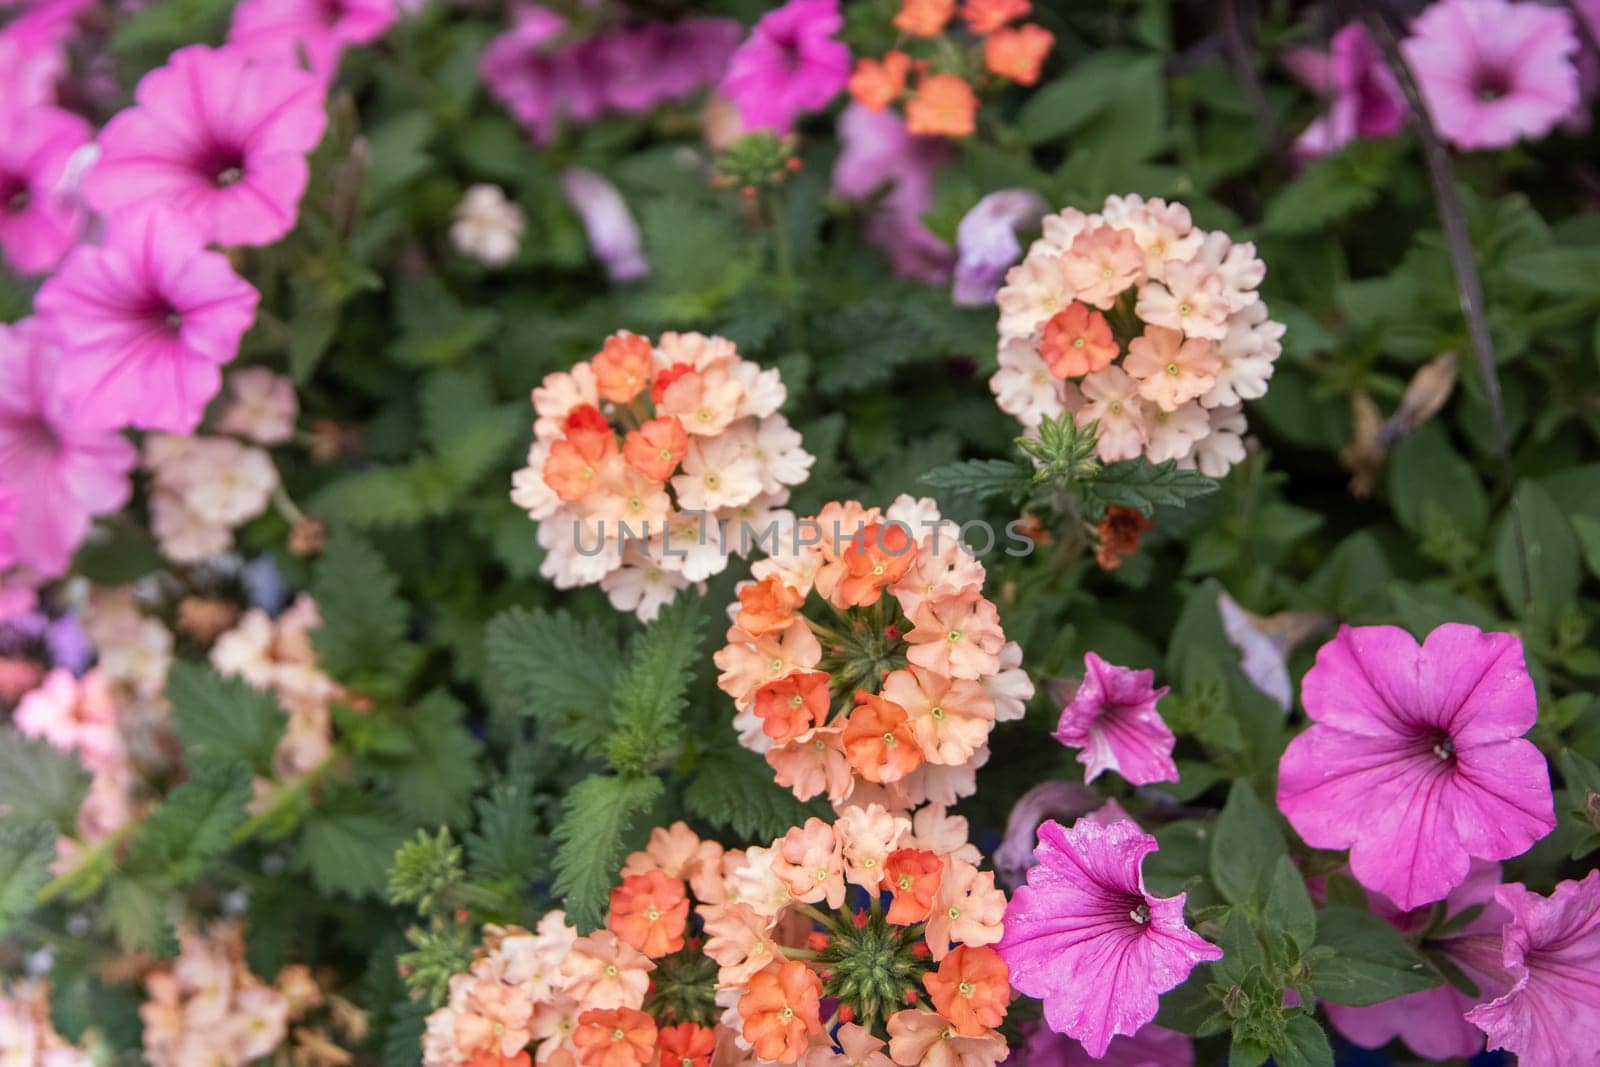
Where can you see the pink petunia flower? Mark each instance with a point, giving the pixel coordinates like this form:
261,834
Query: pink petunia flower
541,84
987,245
65,471
8,531
33,56
1113,719
1085,914
790,64
1432,1023
614,236
1492,71
1152,1046
878,153
1415,759
147,319
1364,100
282,30
1551,953
39,218
218,136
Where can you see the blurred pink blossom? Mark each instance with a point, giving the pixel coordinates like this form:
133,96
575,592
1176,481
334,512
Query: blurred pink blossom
1363,98
790,64
320,30
878,153
613,233
40,218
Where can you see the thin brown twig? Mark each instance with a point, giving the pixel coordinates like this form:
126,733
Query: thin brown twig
1469,287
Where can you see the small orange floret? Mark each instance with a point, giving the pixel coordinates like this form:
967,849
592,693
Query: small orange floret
878,740
666,376
986,16
791,706
656,448
879,556
1018,52
876,84
971,988
649,912
913,876
767,606
622,369
616,1037
944,106
780,1008
1077,341
924,18
686,1045
1120,531
573,467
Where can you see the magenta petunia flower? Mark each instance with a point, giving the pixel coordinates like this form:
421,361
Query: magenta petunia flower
1087,938
539,82
64,470
1415,759
789,64
33,55
39,218
1363,98
1492,71
1433,1022
1152,1046
218,136
8,526
1112,717
1550,1017
147,320
319,30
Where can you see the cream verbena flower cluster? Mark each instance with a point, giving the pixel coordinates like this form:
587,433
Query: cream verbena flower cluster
891,698
701,466
1139,321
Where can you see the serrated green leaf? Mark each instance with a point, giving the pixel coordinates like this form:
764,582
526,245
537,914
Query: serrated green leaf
734,789
1245,848
593,841
508,844
1332,188
26,853
1367,961
650,693
983,479
39,783
375,498
432,780
1144,486
557,669
192,826
347,842
136,912
223,720
364,619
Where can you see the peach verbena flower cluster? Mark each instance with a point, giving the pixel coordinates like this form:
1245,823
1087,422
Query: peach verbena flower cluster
204,488
276,656
1142,323
940,72
889,692
206,1007
27,1036
642,458
803,925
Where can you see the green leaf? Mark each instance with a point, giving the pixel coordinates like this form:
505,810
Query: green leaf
1307,1044
347,842
1556,271
193,824
433,779
593,841
983,479
508,845
364,619
137,913
1427,477
650,693
1367,961
26,853
1245,848
1333,188
1288,909
557,669
733,789
1552,556
223,720
1144,486
1112,89
39,783
1587,527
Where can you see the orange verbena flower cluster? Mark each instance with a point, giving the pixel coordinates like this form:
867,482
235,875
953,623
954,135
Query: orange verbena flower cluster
919,974
935,75
888,688
207,1007
651,461
1137,320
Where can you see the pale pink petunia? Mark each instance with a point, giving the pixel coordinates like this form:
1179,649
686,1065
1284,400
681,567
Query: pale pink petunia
881,163
148,319
790,64
987,244
1432,1022
1493,72
1551,1016
1363,98
218,136
65,469
613,234
317,30
1112,717
1085,914
40,219
1415,759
